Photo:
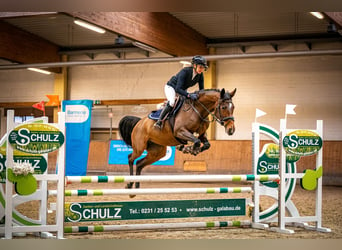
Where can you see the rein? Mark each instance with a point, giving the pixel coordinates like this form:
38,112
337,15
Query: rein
220,121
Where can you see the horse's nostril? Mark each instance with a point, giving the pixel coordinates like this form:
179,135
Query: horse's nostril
230,130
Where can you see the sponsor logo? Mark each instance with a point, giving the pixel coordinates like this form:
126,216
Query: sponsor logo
76,113
36,138
268,162
302,142
75,212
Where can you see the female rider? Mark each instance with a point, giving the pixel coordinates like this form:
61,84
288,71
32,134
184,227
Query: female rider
184,79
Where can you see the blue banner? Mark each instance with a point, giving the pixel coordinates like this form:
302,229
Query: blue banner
119,151
77,126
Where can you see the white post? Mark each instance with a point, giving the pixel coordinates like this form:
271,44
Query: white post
319,193
61,178
9,185
256,184
255,153
282,184
319,161
43,194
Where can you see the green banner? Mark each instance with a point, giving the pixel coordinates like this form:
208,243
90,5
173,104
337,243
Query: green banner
268,162
38,162
104,211
36,138
302,142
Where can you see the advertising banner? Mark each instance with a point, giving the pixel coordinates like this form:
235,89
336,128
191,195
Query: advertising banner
77,126
104,211
119,151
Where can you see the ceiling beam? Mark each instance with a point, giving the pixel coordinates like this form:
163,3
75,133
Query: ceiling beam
23,47
336,17
23,14
102,103
280,40
175,59
159,30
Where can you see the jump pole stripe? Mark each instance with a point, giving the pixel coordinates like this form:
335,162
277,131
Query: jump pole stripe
169,178
101,192
209,224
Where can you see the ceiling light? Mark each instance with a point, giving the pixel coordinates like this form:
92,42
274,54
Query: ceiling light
40,71
317,14
185,63
90,26
144,47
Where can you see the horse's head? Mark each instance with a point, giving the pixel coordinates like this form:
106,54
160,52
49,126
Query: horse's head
225,110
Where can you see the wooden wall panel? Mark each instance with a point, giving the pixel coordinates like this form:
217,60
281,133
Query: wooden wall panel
98,155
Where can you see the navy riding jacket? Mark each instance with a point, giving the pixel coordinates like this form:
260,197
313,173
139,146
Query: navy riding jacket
183,80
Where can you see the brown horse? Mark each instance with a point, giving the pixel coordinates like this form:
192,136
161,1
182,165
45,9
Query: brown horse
191,118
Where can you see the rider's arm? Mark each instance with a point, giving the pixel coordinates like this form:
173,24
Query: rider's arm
181,85
201,82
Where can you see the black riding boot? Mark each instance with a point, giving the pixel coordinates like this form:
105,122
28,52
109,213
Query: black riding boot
165,111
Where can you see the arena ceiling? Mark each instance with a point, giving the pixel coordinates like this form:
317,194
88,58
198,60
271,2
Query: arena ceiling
42,37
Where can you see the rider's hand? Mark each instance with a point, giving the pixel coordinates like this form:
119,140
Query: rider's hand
193,96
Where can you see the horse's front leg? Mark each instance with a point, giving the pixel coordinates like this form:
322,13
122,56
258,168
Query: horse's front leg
195,151
185,149
204,140
188,136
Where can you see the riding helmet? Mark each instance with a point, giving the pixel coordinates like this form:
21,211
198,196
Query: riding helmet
200,60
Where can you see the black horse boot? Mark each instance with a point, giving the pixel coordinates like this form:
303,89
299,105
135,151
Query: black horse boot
165,111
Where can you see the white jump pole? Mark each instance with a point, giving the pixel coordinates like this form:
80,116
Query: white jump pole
169,178
151,191
150,226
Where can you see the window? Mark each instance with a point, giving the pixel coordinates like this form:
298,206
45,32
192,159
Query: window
21,119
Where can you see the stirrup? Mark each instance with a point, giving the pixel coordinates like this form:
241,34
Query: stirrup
158,124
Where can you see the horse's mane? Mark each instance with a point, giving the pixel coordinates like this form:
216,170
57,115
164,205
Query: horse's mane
206,90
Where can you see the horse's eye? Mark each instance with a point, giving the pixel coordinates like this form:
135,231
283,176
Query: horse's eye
223,107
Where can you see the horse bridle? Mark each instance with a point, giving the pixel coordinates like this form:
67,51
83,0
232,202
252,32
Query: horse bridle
219,120
224,119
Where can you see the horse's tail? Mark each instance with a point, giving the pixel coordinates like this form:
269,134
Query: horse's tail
126,126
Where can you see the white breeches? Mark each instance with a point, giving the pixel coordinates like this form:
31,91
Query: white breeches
170,94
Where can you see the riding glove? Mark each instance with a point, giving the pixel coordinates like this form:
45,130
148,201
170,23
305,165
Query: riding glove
193,96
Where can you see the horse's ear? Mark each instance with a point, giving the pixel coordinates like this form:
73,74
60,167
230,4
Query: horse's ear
232,93
223,91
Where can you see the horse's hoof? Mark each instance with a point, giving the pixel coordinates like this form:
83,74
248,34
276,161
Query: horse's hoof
180,148
195,151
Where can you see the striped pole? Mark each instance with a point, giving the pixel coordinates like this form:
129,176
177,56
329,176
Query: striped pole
101,192
170,178
103,228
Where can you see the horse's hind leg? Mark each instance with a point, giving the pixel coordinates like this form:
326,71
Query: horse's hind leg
154,153
131,158
130,164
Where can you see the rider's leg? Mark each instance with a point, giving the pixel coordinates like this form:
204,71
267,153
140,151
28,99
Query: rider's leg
170,94
165,111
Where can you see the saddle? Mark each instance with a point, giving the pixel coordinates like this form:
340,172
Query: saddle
171,116
154,115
